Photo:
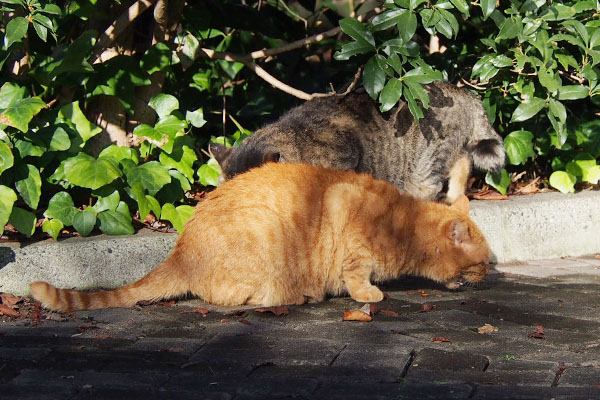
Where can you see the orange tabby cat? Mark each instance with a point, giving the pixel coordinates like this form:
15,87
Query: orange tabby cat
291,233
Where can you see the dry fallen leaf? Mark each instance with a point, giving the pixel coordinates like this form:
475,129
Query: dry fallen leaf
538,334
224,320
426,307
9,300
278,310
197,310
390,312
440,340
487,328
489,195
5,310
356,315
245,322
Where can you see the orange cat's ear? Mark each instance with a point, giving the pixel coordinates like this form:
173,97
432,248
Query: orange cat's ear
461,204
458,231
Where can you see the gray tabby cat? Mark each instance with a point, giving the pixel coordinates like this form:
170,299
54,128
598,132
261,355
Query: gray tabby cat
429,160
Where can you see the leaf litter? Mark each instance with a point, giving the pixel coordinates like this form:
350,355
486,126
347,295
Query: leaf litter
538,334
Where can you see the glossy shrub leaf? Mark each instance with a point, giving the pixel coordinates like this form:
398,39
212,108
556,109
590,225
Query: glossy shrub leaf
407,26
7,199
15,30
527,110
177,216
72,113
351,49
390,95
151,175
499,181
61,207
29,184
357,31
387,19
86,171
6,157
563,181
487,7
19,112
52,227
164,104
374,75
84,222
115,223
23,221
519,146
461,5
573,92
558,110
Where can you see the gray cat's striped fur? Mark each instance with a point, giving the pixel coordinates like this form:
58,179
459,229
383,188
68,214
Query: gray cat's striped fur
430,160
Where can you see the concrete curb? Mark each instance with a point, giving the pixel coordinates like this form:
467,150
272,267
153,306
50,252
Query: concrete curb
540,226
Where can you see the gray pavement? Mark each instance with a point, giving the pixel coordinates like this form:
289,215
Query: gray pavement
422,343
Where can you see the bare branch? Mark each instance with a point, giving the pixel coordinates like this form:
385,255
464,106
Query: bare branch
116,28
295,45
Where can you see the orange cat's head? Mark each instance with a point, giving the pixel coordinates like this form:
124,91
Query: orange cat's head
460,252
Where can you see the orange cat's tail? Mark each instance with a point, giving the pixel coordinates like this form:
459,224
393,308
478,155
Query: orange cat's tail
152,287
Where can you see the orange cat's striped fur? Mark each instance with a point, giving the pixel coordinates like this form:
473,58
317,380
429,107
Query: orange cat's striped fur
291,233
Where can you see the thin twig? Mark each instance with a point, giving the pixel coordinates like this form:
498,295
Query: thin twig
118,26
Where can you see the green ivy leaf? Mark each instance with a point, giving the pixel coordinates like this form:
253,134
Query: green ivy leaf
29,184
109,202
15,30
115,223
500,181
196,118
357,31
23,221
85,171
563,181
71,113
7,199
390,94
182,158
374,75
120,153
164,104
157,58
61,207
208,174
19,112
519,146
572,92
84,222
527,110
177,216
52,227
151,175
6,157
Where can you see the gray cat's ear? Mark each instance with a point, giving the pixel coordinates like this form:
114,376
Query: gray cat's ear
219,152
461,204
458,231
271,156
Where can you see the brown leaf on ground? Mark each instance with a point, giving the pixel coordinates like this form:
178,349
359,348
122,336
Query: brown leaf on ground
423,293
538,334
440,340
276,310
9,300
356,315
390,312
487,328
489,195
224,320
167,303
236,313
197,310
532,186
5,310
426,307
245,322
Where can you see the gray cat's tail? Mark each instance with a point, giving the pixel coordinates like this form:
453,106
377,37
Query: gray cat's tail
486,146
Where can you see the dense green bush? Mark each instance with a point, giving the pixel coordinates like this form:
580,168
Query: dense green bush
167,80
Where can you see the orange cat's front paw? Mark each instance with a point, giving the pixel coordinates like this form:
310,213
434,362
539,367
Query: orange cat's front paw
368,295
